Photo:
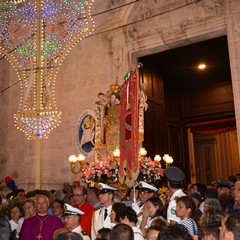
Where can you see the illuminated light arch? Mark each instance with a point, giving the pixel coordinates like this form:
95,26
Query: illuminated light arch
35,38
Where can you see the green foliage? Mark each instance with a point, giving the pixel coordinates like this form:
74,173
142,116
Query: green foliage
6,204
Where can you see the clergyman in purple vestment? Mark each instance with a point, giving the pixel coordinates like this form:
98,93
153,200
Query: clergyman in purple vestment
31,228
42,225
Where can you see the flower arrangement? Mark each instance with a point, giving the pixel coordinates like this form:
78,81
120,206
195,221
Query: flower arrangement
6,204
106,170
150,170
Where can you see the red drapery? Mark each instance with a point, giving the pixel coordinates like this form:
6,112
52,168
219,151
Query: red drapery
213,127
129,130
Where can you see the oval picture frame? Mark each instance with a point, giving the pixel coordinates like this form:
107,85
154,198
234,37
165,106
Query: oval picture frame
85,132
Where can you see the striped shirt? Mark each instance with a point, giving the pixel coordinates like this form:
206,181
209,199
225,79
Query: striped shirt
190,224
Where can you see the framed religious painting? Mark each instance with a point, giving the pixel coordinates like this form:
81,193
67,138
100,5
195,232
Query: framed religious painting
85,132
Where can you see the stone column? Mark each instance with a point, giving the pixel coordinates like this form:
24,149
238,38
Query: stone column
233,35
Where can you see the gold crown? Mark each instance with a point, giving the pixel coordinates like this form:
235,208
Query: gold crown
115,88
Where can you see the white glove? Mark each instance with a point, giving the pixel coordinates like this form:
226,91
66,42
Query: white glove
136,208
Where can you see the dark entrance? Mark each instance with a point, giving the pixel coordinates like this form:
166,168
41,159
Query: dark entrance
180,94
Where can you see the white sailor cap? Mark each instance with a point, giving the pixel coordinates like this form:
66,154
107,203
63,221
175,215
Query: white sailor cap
70,210
104,188
145,187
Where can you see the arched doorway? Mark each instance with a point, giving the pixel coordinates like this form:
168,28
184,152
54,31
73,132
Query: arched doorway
179,94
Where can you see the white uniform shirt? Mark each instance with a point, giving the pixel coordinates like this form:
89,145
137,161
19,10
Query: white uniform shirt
171,215
138,235
140,216
98,221
81,232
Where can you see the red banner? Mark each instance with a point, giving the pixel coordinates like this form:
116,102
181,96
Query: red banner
129,116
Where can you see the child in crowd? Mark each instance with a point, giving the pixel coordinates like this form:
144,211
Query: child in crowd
153,209
184,209
103,234
152,233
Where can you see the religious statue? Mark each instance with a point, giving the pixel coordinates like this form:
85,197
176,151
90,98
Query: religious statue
107,121
107,110
114,99
102,99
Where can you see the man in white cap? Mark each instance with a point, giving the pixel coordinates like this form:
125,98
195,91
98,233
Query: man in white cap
175,177
72,218
101,217
146,191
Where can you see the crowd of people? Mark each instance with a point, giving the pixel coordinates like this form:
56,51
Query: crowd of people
197,211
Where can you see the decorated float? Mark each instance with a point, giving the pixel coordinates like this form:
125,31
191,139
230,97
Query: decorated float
120,159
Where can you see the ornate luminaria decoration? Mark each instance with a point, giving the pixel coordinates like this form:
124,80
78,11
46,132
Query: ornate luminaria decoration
35,37
80,159
166,158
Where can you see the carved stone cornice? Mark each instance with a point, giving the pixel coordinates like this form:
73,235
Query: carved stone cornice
170,17
234,6
116,3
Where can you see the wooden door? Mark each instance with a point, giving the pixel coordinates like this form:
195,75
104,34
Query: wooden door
205,158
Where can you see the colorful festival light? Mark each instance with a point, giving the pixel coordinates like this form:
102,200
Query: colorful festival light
35,38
